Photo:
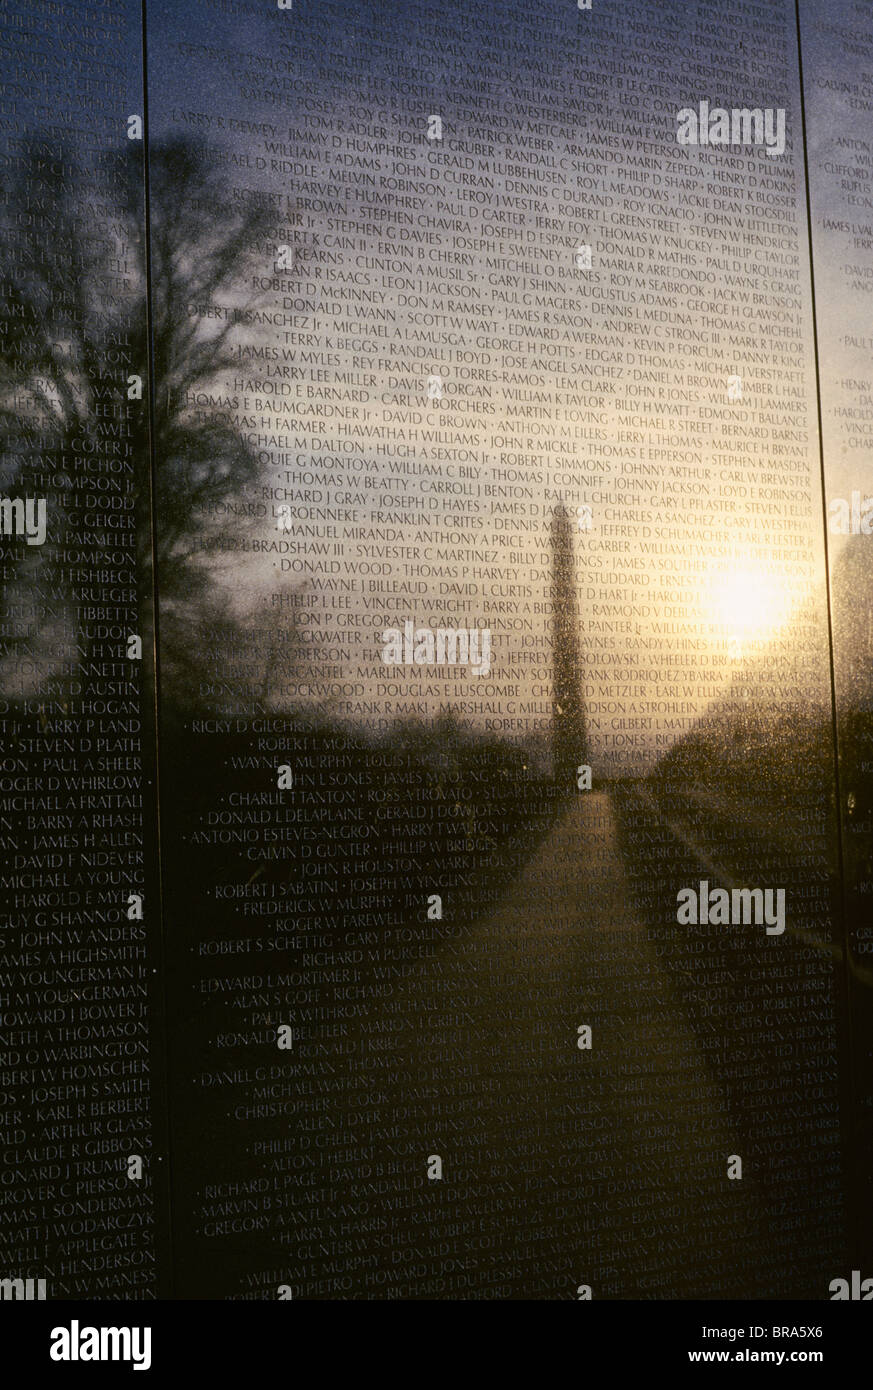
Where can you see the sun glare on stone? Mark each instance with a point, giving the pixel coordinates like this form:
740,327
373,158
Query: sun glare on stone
748,604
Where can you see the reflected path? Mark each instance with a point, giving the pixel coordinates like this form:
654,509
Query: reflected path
605,1167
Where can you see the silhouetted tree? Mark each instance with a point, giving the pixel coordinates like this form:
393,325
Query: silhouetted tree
75,335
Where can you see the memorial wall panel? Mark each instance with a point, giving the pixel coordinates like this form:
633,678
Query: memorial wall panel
84,1198
837,50
502,852
435,649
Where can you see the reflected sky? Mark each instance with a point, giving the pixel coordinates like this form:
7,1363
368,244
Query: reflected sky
429,367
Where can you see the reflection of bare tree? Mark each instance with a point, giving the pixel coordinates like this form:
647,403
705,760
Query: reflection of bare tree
65,352
202,245
74,341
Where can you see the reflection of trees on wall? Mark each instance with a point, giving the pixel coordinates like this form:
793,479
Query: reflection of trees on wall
73,335
569,736
65,354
